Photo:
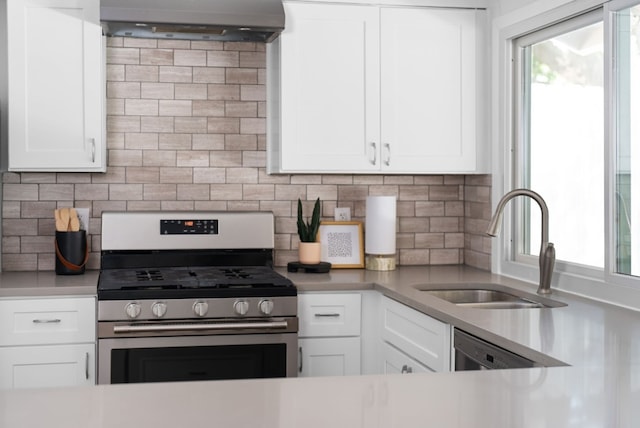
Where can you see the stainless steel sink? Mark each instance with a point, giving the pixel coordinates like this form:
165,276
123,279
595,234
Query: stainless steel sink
489,296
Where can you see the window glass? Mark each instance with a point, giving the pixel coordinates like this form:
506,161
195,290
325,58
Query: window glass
562,134
627,184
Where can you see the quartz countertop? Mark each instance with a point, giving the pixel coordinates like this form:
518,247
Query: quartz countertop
598,387
47,283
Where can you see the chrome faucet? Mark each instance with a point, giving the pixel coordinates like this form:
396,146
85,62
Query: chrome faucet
547,256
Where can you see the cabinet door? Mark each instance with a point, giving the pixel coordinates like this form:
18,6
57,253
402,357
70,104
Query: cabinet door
395,361
428,97
329,92
329,356
56,86
47,366
419,336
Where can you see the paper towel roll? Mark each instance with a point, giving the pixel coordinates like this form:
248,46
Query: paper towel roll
380,225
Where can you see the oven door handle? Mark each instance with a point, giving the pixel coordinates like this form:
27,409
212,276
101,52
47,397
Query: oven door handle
150,328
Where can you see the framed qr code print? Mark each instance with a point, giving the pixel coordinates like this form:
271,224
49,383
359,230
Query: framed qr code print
342,243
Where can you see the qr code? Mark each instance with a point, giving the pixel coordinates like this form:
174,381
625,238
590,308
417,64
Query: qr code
339,244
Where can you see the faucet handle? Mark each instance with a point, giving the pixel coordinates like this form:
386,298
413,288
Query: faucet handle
547,261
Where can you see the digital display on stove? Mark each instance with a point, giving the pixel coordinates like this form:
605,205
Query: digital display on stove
189,227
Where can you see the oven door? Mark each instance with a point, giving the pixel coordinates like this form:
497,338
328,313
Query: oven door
138,356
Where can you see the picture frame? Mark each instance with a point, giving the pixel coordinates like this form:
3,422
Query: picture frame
342,243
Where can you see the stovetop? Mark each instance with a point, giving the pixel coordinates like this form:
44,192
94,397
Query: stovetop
193,282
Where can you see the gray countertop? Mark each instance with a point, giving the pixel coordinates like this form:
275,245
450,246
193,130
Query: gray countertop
47,283
601,387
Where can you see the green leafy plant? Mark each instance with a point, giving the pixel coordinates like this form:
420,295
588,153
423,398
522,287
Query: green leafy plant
308,230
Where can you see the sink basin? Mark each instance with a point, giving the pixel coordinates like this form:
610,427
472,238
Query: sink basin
489,296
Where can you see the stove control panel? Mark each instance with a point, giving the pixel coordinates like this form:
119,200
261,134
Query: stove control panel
182,309
189,227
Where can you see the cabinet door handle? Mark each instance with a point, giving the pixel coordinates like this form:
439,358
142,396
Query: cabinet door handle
406,369
47,321
86,365
387,161
93,150
327,315
375,155
299,359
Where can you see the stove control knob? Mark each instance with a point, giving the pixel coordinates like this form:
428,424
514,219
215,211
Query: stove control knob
241,307
133,310
159,309
200,308
266,306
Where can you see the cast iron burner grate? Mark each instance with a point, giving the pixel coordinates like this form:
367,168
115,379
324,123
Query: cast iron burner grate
149,275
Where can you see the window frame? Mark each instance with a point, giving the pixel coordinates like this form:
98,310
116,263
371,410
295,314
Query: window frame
603,284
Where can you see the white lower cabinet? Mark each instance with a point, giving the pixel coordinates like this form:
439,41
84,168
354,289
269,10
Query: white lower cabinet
47,366
329,356
329,335
47,342
394,361
413,341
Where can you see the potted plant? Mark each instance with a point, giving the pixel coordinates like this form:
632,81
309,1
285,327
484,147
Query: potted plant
309,249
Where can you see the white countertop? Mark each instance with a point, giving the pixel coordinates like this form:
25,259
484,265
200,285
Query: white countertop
599,341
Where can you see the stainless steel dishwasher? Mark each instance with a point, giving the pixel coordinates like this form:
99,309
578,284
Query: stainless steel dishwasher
473,353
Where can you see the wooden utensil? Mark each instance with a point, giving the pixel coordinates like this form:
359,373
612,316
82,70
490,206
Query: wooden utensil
74,222
64,219
61,226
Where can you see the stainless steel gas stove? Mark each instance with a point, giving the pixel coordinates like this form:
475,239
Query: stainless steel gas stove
193,296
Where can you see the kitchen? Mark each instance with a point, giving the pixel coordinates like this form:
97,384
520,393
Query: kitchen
442,218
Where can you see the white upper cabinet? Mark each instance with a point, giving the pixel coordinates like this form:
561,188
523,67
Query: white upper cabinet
375,89
56,86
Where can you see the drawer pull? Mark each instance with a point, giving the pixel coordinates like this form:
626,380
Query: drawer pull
86,365
300,359
329,315
47,321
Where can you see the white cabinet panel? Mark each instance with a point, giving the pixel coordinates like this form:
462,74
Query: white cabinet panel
329,314
419,336
56,86
47,342
335,356
395,361
328,84
428,63
47,321
47,366
329,334
375,89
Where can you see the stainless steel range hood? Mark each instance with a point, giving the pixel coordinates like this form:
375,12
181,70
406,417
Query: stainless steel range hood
225,20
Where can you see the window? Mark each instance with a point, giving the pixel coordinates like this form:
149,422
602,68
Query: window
575,138
561,136
626,26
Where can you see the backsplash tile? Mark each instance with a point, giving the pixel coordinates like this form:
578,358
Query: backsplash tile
186,131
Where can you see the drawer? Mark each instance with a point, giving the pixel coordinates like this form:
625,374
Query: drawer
47,321
329,314
423,338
